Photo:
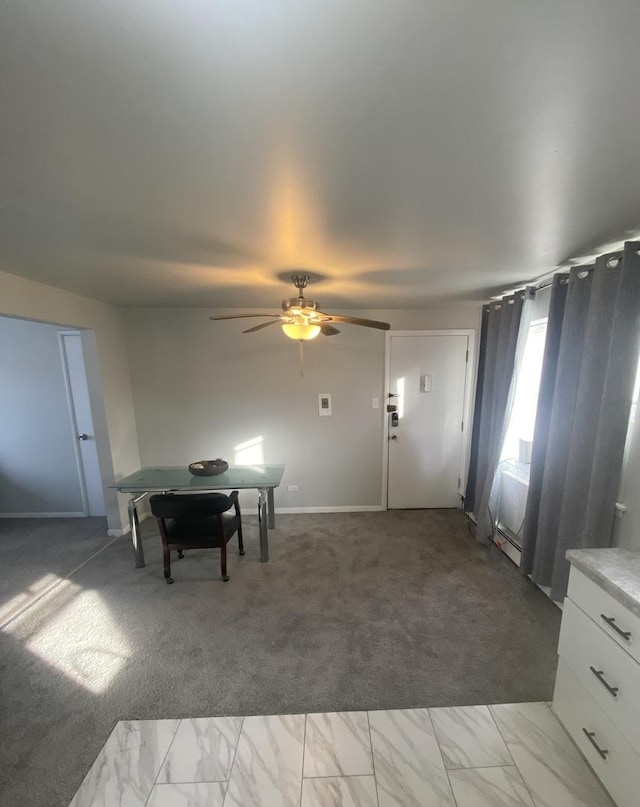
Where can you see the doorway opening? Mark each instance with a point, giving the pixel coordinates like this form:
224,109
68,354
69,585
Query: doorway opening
49,453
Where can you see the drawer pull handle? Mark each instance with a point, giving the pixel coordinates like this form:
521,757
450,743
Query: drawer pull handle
590,736
611,622
600,676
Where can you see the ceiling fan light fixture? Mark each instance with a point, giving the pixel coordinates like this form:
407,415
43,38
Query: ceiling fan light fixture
303,331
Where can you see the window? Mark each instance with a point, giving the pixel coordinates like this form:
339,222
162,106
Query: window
513,472
523,414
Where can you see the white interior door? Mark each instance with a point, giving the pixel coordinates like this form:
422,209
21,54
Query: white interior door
82,418
427,376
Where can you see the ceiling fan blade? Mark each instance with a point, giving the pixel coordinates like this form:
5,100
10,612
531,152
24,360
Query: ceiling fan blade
244,316
328,330
261,326
367,323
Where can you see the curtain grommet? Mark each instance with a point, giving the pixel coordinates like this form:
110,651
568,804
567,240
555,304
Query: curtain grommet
613,262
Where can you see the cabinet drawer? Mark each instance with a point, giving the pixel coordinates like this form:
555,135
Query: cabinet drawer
601,666
618,622
619,772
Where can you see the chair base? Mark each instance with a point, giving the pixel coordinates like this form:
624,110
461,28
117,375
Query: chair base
169,580
225,578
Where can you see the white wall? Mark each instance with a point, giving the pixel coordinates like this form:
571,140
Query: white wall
119,452
202,388
38,465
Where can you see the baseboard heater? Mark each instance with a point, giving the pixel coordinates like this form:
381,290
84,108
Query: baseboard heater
505,533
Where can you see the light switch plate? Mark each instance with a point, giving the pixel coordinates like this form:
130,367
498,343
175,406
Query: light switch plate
324,404
375,403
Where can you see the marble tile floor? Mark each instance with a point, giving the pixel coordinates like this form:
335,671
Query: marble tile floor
509,755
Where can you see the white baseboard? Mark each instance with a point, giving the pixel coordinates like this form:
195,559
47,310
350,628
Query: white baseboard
515,554
355,508
43,515
126,530
547,590
253,511
118,533
511,551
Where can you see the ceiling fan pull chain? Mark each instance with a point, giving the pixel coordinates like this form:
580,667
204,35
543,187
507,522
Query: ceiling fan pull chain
301,343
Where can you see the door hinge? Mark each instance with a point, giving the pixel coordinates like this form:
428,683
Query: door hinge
462,426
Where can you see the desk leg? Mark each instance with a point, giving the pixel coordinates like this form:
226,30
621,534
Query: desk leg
262,521
134,523
271,510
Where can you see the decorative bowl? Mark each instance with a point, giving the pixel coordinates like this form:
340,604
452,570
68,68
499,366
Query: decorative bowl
208,467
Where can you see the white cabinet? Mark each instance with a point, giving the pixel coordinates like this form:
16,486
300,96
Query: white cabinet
597,692
616,621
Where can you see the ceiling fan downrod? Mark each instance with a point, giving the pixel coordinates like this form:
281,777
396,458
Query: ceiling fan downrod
300,282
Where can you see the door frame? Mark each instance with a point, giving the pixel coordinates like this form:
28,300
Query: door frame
467,414
72,417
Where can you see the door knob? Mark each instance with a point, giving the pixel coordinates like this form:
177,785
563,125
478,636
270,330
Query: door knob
394,437
83,437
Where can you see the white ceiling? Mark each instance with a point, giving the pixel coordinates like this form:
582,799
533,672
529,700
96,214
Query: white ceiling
408,152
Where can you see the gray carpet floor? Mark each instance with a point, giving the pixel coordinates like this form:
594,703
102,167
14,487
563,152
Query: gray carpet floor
35,552
353,611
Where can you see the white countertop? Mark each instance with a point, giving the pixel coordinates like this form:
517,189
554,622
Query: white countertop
616,570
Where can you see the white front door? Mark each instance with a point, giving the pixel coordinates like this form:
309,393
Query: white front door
82,419
427,377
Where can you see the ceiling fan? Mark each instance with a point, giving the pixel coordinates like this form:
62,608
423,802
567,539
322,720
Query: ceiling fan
302,319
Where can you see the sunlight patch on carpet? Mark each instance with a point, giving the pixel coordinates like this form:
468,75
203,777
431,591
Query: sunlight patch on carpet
82,640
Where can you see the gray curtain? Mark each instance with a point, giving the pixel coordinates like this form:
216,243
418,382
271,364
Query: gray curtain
498,354
589,370
543,418
472,476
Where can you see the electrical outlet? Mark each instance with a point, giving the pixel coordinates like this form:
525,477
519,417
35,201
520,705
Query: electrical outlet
292,488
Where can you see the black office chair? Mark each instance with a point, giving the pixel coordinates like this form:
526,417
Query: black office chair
197,521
